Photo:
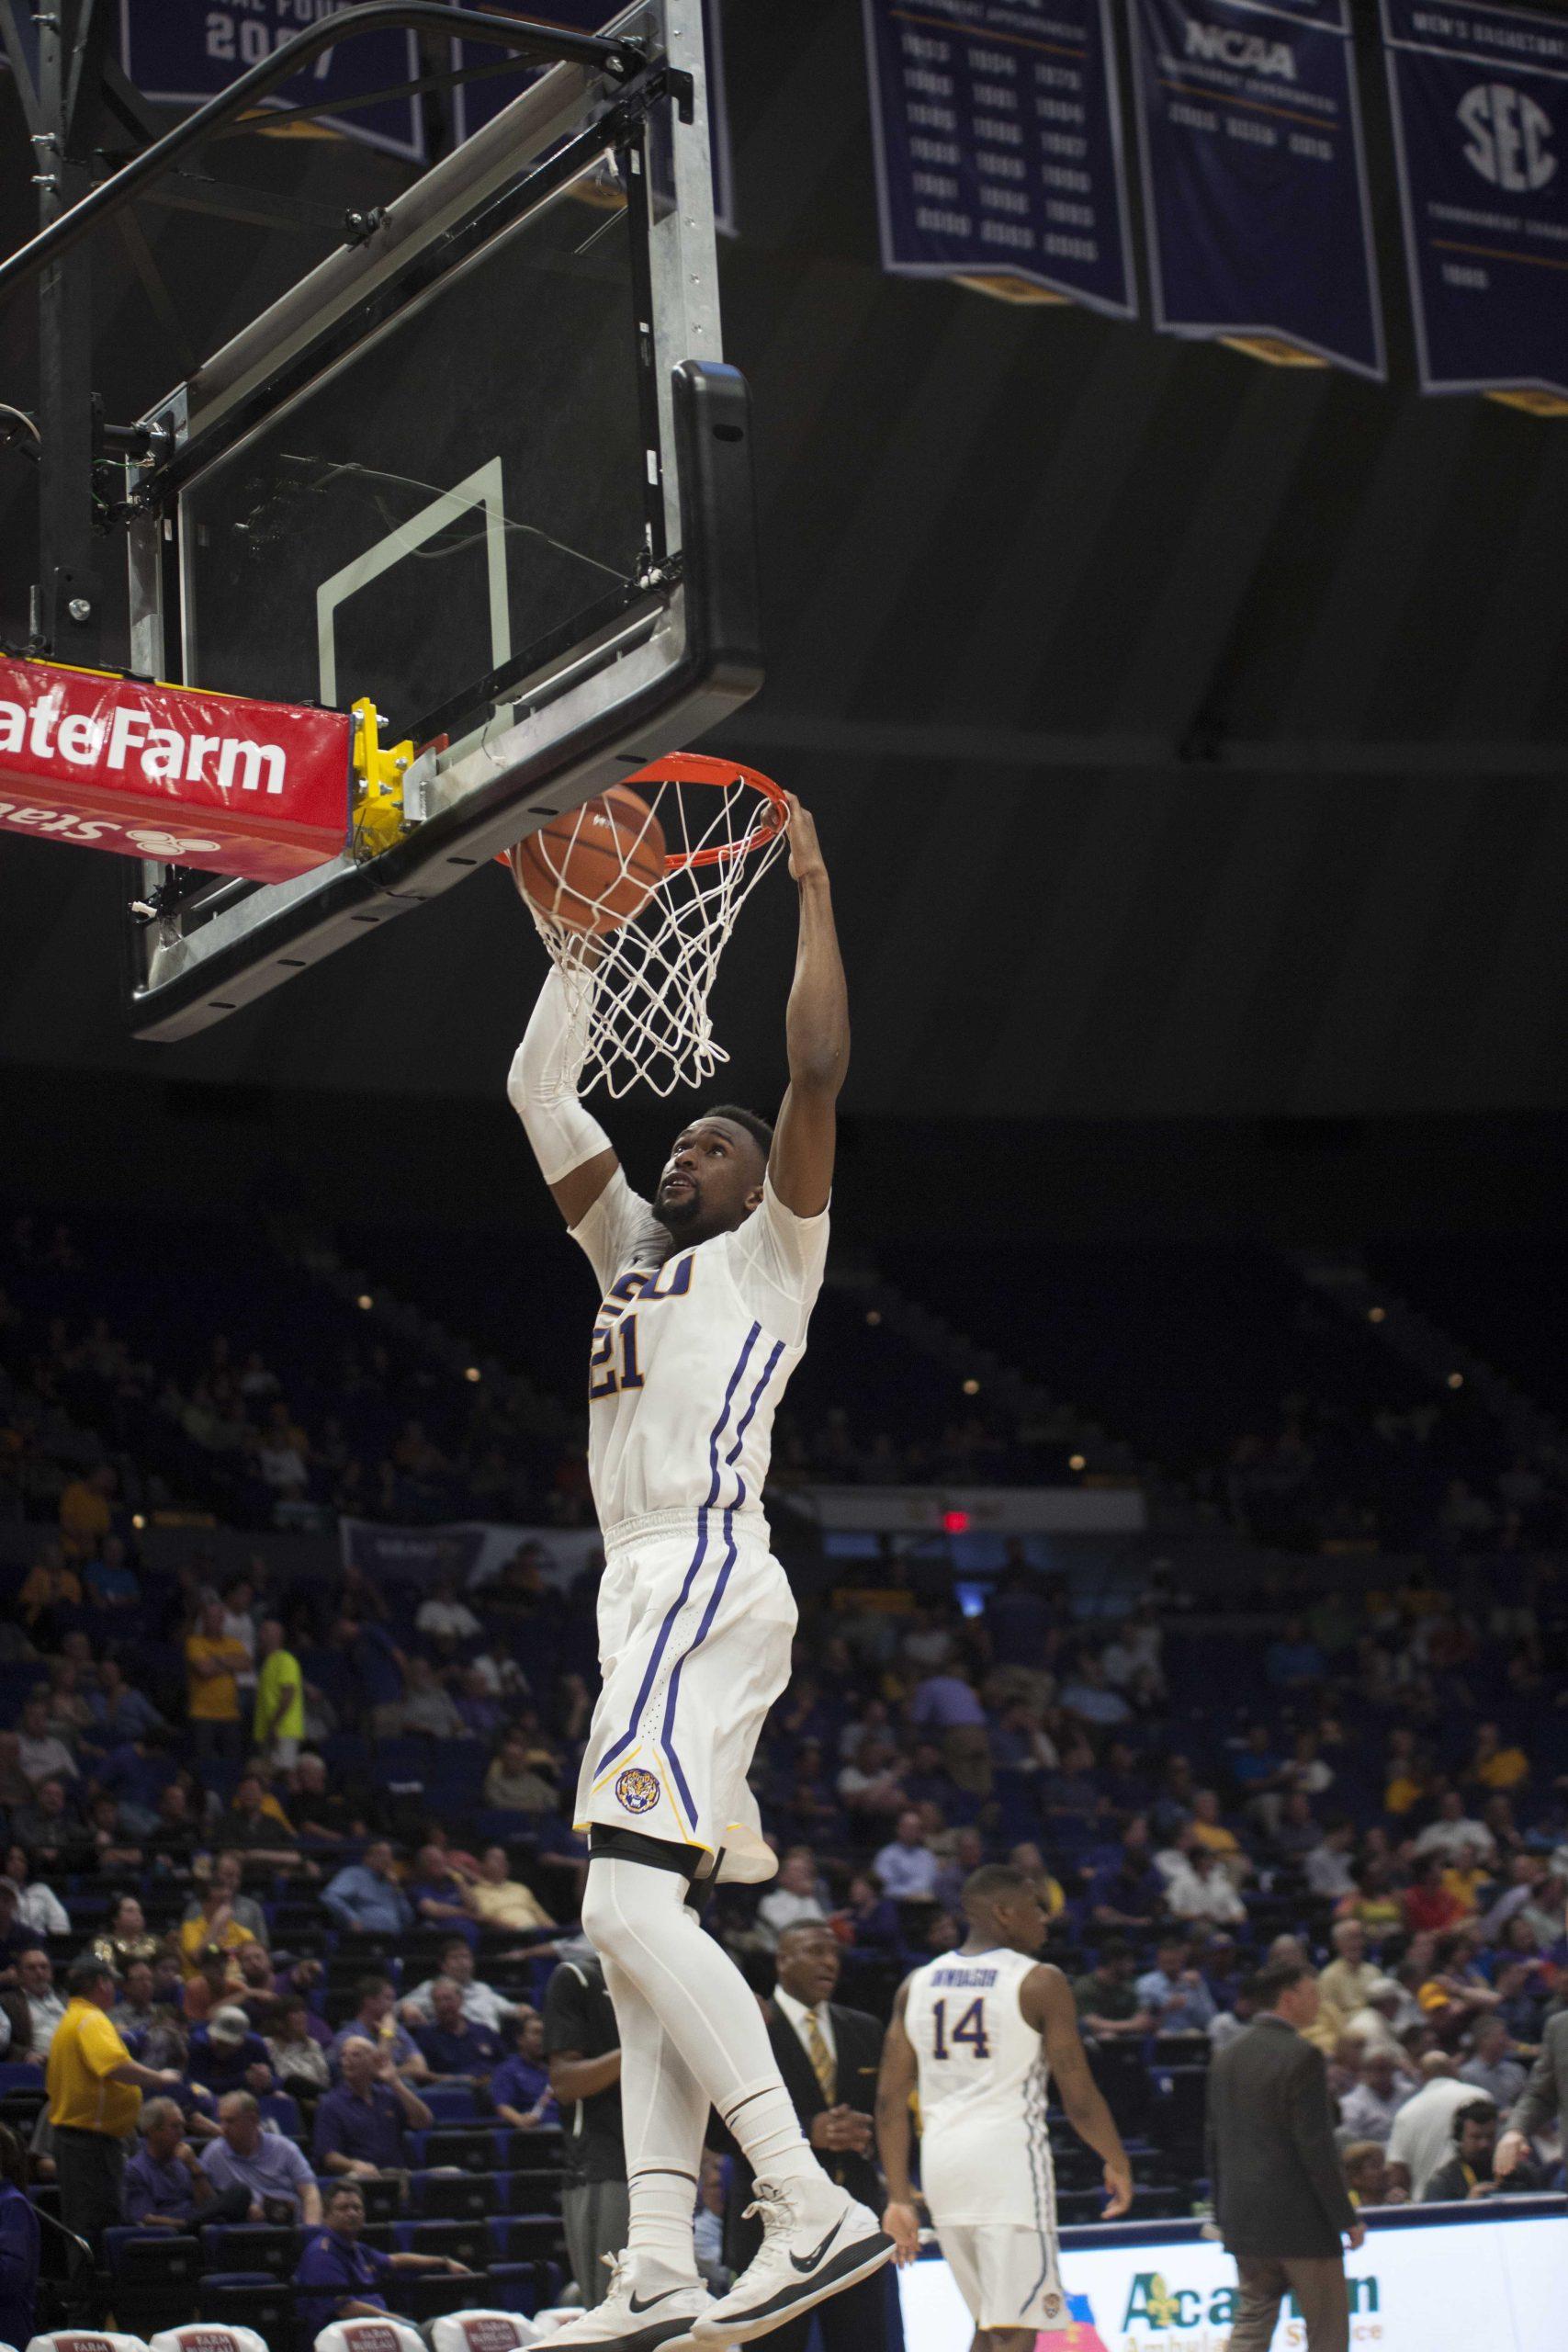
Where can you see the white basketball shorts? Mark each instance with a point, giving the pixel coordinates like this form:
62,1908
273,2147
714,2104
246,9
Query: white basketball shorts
1009,2276
696,1625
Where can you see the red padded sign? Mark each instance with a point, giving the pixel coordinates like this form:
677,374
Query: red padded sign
215,781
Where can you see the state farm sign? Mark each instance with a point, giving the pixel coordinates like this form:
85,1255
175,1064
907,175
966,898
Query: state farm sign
217,781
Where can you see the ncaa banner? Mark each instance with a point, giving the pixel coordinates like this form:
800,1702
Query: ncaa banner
1480,100
182,52
1254,184
478,100
999,147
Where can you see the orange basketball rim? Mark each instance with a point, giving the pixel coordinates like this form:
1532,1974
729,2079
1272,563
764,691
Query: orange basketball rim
705,767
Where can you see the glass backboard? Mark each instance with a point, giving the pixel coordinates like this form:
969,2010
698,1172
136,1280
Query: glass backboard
485,467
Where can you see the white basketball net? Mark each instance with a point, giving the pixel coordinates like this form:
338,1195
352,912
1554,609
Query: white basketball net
647,982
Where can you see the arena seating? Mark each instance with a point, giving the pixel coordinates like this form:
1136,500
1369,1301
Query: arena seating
1303,1649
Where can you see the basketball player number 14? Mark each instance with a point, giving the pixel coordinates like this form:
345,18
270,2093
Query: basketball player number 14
970,2027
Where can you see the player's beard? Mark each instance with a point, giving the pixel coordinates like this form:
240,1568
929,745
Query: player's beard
683,1210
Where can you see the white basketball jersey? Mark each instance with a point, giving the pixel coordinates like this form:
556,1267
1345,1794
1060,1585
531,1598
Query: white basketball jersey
692,1349
984,2155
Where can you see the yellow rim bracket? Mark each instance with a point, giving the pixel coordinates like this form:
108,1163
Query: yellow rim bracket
380,817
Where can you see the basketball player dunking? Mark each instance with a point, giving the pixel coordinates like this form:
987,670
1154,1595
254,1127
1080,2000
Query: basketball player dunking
706,1293
980,2032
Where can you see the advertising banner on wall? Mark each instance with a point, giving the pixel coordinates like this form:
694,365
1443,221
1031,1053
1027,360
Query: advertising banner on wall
1437,2285
1255,183
181,52
471,1552
1480,100
999,146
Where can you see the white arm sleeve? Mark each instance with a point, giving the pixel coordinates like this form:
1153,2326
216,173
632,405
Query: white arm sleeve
542,1083
542,1089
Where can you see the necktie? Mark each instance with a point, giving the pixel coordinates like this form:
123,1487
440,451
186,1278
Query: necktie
821,2059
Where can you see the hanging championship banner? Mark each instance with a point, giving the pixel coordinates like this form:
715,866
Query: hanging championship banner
477,101
1254,184
999,147
1480,100
181,52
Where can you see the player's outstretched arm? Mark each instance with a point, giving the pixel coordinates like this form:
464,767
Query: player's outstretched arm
817,1033
575,1156
895,2089
1046,2000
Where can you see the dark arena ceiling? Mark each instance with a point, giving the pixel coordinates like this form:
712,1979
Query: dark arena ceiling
1186,734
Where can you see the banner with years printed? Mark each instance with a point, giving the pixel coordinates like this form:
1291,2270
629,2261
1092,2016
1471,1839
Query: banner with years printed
1480,99
181,52
998,144
1255,186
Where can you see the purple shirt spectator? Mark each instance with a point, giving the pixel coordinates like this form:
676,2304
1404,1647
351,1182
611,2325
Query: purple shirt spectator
519,2083
152,2188
945,1700
274,2170
369,2130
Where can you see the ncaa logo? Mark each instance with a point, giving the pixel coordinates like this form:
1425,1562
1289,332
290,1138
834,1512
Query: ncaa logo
637,1791
1509,137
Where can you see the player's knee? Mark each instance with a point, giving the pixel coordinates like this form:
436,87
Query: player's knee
617,1916
603,1922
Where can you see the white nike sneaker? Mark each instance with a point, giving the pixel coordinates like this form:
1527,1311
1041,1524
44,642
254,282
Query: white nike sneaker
639,2315
816,2242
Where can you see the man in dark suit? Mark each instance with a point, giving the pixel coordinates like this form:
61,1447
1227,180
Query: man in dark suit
1542,2103
1279,2192
828,2057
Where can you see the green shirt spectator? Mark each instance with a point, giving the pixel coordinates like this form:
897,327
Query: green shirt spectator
280,1695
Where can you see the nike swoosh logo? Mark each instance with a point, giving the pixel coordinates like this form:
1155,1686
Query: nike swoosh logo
664,2298
815,2257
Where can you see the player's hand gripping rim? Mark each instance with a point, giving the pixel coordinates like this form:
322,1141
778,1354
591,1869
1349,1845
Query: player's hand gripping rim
807,863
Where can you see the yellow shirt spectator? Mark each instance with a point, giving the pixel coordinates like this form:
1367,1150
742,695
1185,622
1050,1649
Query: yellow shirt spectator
49,1585
214,1660
1209,1829
1505,1768
85,2052
1404,1790
219,1932
85,1516
508,1905
1465,1887
1379,1913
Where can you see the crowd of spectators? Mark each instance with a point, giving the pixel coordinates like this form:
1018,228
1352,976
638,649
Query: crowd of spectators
224,1787
340,1411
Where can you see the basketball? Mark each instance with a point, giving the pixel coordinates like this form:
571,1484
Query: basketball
595,867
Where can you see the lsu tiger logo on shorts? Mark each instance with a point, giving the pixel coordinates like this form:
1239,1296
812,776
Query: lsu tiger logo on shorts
1051,2305
637,1790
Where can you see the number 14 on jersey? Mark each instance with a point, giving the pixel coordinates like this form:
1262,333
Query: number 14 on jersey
969,2028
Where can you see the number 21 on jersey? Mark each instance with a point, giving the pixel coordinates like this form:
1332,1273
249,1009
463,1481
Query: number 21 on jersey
970,2027
613,1364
